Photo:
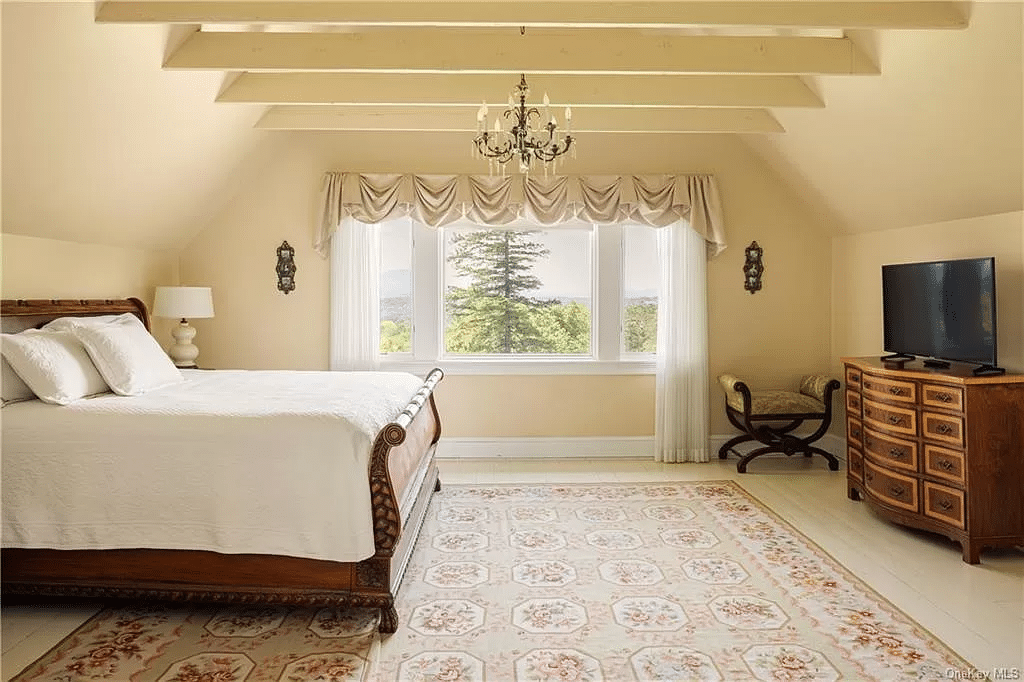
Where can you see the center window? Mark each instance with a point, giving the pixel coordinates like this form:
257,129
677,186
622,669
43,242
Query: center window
526,298
518,291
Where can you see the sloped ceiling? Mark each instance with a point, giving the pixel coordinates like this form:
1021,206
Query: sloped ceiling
132,122
102,146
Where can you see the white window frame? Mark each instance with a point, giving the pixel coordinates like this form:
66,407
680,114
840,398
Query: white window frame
608,357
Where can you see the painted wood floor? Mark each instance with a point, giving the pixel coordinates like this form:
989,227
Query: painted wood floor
976,610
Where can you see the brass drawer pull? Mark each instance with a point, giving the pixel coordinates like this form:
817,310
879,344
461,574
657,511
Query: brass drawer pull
867,411
869,443
944,397
855,378
897,490
895,454
895,390
855,433
869,475
895,420
945,505
867,385
944,429
945,464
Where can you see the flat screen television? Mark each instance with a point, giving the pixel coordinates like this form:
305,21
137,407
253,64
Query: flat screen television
942,311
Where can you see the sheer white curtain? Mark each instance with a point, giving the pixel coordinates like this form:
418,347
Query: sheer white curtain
681,386
355,296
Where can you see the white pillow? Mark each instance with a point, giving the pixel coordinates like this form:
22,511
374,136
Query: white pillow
53,364
66,324
128,357
13,388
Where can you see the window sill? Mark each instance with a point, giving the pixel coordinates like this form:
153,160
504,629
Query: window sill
509,367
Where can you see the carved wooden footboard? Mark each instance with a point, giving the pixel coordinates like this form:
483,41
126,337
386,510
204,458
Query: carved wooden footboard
188,575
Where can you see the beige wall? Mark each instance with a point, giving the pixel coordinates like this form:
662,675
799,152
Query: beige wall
770,338
34,267
857,286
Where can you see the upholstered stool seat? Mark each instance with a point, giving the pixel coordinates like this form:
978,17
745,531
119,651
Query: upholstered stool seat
749,411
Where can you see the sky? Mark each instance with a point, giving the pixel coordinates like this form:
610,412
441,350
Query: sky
566,272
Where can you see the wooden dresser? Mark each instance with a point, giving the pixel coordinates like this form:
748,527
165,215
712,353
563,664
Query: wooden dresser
938,449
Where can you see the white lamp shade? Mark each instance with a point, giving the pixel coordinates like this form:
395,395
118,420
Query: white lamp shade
183,302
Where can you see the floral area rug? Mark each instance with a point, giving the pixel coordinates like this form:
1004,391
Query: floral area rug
216,644
569,583
638,582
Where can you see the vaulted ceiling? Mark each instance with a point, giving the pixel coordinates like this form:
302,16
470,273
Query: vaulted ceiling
149,113
666,67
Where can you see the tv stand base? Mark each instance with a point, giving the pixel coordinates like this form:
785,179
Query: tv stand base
896,357
988,371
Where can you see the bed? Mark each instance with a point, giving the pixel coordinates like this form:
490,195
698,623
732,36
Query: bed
336,531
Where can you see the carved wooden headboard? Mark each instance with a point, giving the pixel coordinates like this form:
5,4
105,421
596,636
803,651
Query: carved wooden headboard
36,312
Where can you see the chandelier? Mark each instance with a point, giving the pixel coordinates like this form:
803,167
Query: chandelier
527,139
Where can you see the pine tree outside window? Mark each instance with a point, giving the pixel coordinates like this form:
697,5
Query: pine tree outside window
521,298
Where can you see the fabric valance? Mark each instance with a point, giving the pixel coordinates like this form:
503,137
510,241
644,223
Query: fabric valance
438,200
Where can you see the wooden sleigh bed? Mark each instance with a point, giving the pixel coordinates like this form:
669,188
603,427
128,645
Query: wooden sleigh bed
401,477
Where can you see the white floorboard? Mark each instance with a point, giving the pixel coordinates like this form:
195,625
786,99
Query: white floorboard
977,610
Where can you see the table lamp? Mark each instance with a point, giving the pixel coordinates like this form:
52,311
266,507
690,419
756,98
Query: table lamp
183,303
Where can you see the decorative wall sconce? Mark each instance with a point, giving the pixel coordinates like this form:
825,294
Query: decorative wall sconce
753,268
285,268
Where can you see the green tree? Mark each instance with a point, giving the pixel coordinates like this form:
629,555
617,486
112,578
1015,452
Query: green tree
641,328
495,313
395,337
564,328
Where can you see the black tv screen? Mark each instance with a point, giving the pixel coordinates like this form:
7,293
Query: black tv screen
944,309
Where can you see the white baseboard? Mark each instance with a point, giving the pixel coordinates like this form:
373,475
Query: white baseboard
639,447
629,447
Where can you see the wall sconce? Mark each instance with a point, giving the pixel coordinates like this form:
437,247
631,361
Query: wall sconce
753,268
285,268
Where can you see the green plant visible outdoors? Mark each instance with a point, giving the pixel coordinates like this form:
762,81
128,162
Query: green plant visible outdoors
395,337
641,328
496,312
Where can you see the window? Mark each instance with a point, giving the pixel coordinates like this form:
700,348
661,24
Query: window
639,289
396,287
521,298
518,291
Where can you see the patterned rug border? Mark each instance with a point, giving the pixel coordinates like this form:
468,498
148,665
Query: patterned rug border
764,507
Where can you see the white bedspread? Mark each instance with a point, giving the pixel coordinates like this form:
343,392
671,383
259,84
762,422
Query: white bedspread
268,462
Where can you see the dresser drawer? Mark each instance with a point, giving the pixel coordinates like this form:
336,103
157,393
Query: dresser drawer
944,504
854,463
891,452
891,488
898,420
854,431
944,463
938,395
889,390
852,403
947,428
853,377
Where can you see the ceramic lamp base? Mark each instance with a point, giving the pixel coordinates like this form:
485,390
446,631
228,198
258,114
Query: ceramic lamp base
183,352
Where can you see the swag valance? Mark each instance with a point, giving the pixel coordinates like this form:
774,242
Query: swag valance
438,200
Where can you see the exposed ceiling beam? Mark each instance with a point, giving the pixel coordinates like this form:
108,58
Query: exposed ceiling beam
471,89
541,51
899,15
455,120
